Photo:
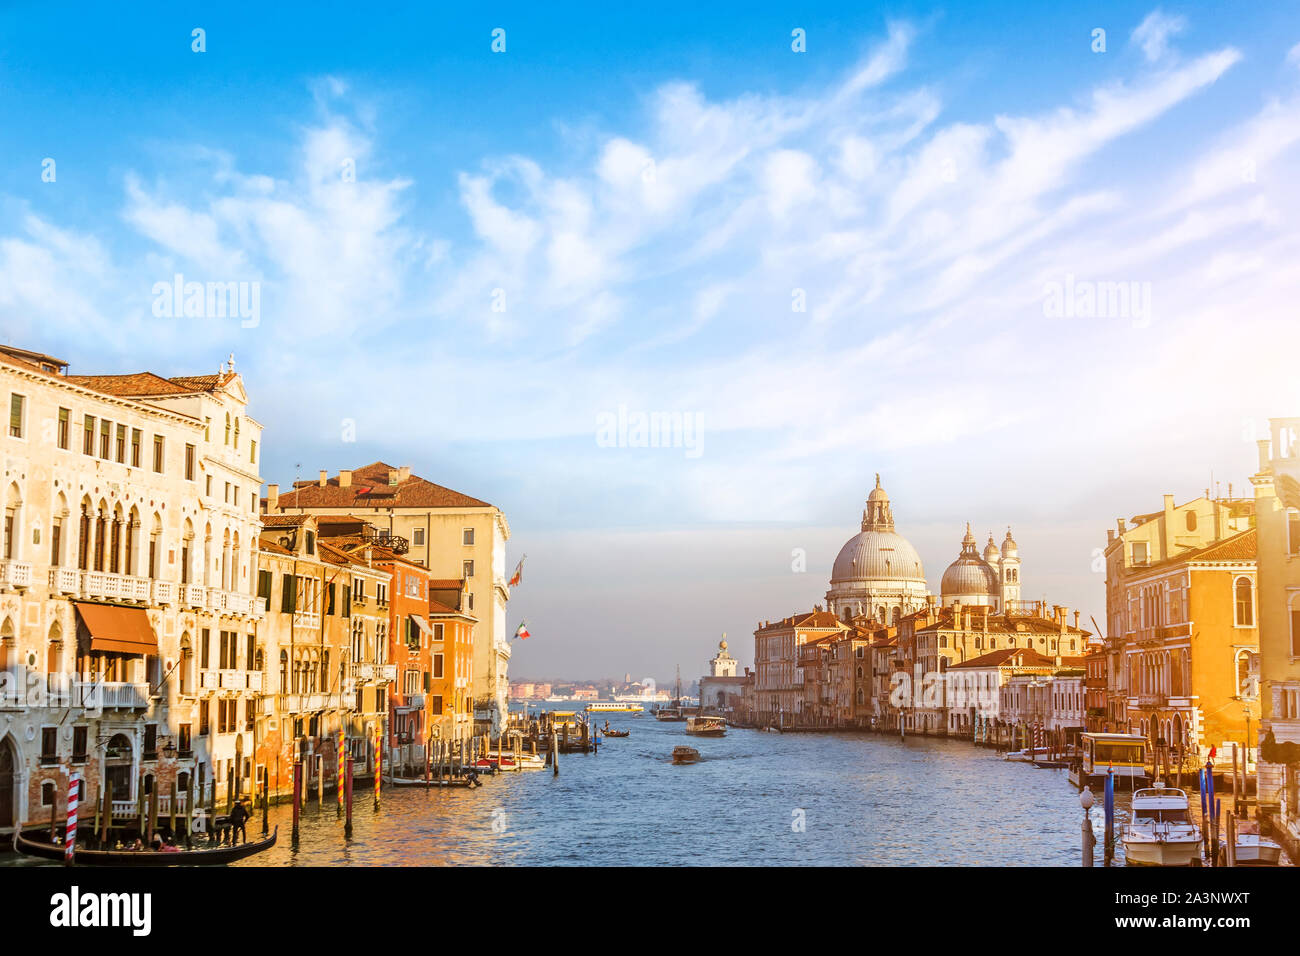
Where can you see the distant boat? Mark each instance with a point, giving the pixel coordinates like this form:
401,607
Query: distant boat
706,726
686,755
615,707
675,712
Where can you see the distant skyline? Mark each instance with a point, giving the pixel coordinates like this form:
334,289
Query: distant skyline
876,255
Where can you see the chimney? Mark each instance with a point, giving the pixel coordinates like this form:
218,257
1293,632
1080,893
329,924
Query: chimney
404,473
1119,526
1110,536
1076,620
345,478
272,497
324,477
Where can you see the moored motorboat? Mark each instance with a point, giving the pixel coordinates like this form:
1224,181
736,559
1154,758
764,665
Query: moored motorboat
1159,831
685,755
37,843
1253,848
706,726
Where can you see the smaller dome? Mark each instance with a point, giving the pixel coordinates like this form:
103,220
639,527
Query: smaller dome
991,552
969,575
877,493
1009,548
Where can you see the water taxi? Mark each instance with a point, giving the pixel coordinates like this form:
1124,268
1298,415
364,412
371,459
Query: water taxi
1159,831
706,726
613,707
1123,755
686,755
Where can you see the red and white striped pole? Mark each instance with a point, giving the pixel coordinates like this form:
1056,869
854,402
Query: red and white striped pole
70,834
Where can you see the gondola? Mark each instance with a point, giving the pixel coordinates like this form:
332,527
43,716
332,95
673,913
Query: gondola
36,843
616,733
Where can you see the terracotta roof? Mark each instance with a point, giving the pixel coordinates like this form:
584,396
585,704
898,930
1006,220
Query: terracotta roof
283,521
806,619
1240,547
271,547
1029,658
370,487
446,584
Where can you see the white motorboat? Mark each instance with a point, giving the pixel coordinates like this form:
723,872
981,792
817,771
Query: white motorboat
1255,848
1160,832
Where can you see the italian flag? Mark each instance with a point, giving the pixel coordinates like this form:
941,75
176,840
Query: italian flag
519,572
521,631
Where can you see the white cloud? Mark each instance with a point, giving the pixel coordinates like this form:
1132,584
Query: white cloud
1153,33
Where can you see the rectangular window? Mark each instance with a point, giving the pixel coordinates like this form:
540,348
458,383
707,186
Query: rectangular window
184,739
79,738
437,665
436,705
17,406
252,452
65,416
158,453
467,536
227,498
135,448
264,585
359,590
288,591
189,462
150,741
1139,552
205,642
105,438
468,567
418,539
1295,632
119,451
437,632
49,745
329,598
207,486
88,436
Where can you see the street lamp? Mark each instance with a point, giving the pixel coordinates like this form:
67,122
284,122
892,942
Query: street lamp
1089,840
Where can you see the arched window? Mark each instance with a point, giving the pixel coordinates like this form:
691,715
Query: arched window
1244,602
284,672
1247,674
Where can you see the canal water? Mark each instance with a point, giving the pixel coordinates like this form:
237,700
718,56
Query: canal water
755,799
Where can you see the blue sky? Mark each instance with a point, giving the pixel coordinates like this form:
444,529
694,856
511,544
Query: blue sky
645,189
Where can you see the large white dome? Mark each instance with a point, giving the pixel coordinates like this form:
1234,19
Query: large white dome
877,556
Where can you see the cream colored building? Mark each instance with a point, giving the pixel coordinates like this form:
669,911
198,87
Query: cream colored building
451,534
128,619
1277,506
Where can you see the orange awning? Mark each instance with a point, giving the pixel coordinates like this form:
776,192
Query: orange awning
122,630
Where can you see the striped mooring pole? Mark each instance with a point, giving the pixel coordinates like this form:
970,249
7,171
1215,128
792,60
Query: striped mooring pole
338,780
70,833
379,764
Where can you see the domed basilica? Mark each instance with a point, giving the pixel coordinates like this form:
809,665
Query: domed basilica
878,574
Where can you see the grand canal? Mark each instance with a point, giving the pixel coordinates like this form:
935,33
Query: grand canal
755,799
841,799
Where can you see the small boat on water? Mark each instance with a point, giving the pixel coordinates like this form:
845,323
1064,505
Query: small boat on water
508,762
37,843
674,712
616,733
1160,831
686,755
1253,848
433,781
706,726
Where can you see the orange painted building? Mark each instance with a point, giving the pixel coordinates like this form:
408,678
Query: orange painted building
451,703
410,650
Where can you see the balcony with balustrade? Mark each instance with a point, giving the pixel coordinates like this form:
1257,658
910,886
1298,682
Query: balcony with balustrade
15,574
230,679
